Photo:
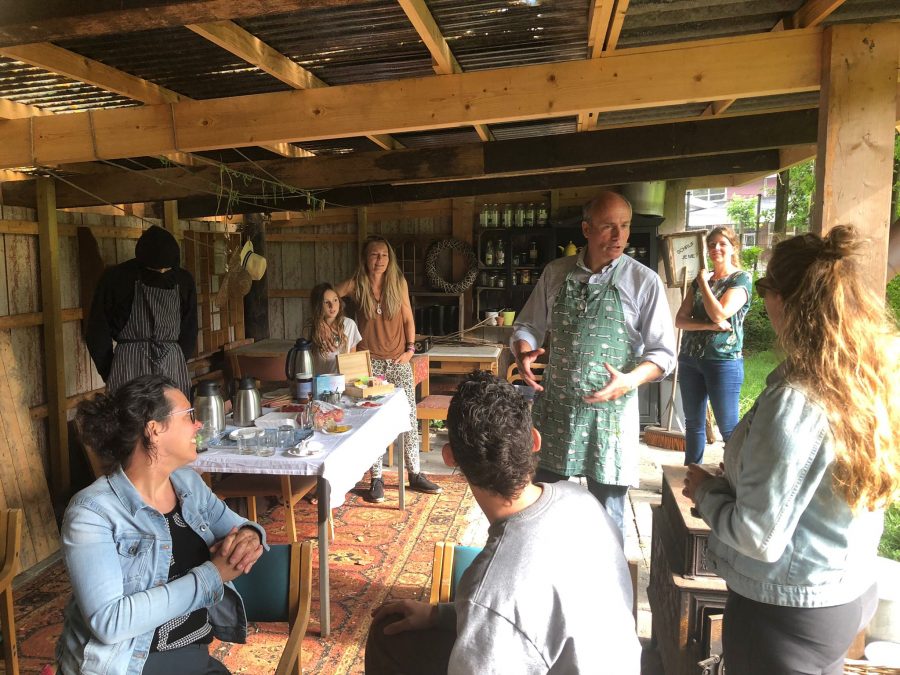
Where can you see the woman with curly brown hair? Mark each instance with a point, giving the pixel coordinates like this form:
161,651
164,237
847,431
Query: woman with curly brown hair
796,515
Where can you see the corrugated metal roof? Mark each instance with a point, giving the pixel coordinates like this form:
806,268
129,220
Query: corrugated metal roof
561,125
803,100
364,42
430,139
666,112
26,84
649,22
502,33
865,11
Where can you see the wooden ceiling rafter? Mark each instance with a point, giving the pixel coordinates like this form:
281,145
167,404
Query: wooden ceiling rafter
243,44
751,66
811,14
24,22
442,58
604,29
74,66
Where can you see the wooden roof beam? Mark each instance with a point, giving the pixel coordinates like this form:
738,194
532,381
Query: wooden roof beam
604,28
756,65
25,22
443,60
77,67
810,15
243,44
11,110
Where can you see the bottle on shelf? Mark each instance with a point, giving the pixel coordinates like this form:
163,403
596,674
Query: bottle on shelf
533,252
520,215
542,215
489,254
529,215
507,215
483,215
500,254
495,215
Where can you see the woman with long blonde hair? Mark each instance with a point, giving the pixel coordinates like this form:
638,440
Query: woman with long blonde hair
797,514
388,331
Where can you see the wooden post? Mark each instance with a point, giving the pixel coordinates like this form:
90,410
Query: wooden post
362,227
54,352
463,220
170,217
782,192
857,115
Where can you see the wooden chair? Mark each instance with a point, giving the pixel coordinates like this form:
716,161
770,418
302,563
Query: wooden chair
10,545
433,407
513,376
451,560
279,588
290,489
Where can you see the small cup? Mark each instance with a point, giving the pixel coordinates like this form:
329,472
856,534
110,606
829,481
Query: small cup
248,443
508,318
268,439
285,436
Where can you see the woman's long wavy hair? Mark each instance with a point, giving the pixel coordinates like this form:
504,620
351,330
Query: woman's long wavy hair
841,345
392,288
326,339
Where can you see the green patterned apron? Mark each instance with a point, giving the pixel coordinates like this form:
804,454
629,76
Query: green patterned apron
578,438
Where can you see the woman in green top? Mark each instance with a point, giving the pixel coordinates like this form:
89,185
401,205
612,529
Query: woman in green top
711,364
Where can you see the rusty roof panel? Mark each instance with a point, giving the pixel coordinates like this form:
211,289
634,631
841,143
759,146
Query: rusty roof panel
503,33
180,60
26,84
340,146
363,42
438,137
649,22
865,11
561,125
808,99
638,115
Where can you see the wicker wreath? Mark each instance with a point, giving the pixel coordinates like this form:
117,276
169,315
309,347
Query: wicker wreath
431,256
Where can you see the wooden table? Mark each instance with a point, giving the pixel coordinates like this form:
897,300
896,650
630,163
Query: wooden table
337,467
461,359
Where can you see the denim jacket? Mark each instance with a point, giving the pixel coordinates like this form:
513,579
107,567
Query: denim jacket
780,533
117,551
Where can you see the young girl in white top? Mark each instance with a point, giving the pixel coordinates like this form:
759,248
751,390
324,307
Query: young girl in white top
331,332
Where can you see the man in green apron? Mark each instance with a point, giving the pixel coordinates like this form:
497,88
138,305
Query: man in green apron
611,331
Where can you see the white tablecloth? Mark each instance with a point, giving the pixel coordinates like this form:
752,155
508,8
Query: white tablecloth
344,457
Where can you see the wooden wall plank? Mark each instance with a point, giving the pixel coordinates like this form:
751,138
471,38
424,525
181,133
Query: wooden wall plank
22,263
4,285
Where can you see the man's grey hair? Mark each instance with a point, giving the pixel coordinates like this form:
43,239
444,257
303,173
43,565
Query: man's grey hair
587,211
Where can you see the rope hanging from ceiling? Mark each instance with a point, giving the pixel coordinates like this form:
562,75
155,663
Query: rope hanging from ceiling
431,273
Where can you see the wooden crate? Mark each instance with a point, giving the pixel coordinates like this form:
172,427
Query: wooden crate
681,608
358,365
688,536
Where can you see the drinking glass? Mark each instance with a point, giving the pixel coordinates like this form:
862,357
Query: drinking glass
248,443
285,436
268,439
204,435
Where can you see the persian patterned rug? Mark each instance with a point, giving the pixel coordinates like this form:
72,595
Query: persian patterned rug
378,553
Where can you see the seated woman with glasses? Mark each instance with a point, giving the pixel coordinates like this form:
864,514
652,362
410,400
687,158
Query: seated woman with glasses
150,550
796,516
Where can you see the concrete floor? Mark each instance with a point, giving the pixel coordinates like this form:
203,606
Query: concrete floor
639,525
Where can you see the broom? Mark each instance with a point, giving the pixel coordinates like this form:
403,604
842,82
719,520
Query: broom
667,438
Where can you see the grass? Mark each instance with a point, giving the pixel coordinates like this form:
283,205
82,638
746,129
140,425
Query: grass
756,368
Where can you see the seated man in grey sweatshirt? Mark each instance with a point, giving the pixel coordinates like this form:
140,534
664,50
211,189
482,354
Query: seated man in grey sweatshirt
550,592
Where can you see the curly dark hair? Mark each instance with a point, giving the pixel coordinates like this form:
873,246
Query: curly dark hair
113,426
489,425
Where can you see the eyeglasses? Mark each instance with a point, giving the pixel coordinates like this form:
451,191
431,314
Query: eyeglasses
763,286
189,411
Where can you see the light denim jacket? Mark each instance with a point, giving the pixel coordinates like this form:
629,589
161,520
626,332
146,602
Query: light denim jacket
780,533
118,550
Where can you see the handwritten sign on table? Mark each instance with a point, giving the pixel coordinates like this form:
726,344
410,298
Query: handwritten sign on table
684,253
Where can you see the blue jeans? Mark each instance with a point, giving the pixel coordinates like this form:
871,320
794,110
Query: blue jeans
718,381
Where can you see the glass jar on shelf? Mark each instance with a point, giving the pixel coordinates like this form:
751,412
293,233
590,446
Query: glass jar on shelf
524,277
520,215
501,281
529,215
533,253
542,215
506,218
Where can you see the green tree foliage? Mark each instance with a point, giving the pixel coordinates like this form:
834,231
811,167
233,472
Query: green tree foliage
800,195
750,256
742,212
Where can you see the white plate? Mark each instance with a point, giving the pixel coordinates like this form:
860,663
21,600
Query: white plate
309,449
273,420
244,432
339,433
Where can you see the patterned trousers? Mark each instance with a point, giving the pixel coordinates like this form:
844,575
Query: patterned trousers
400,375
